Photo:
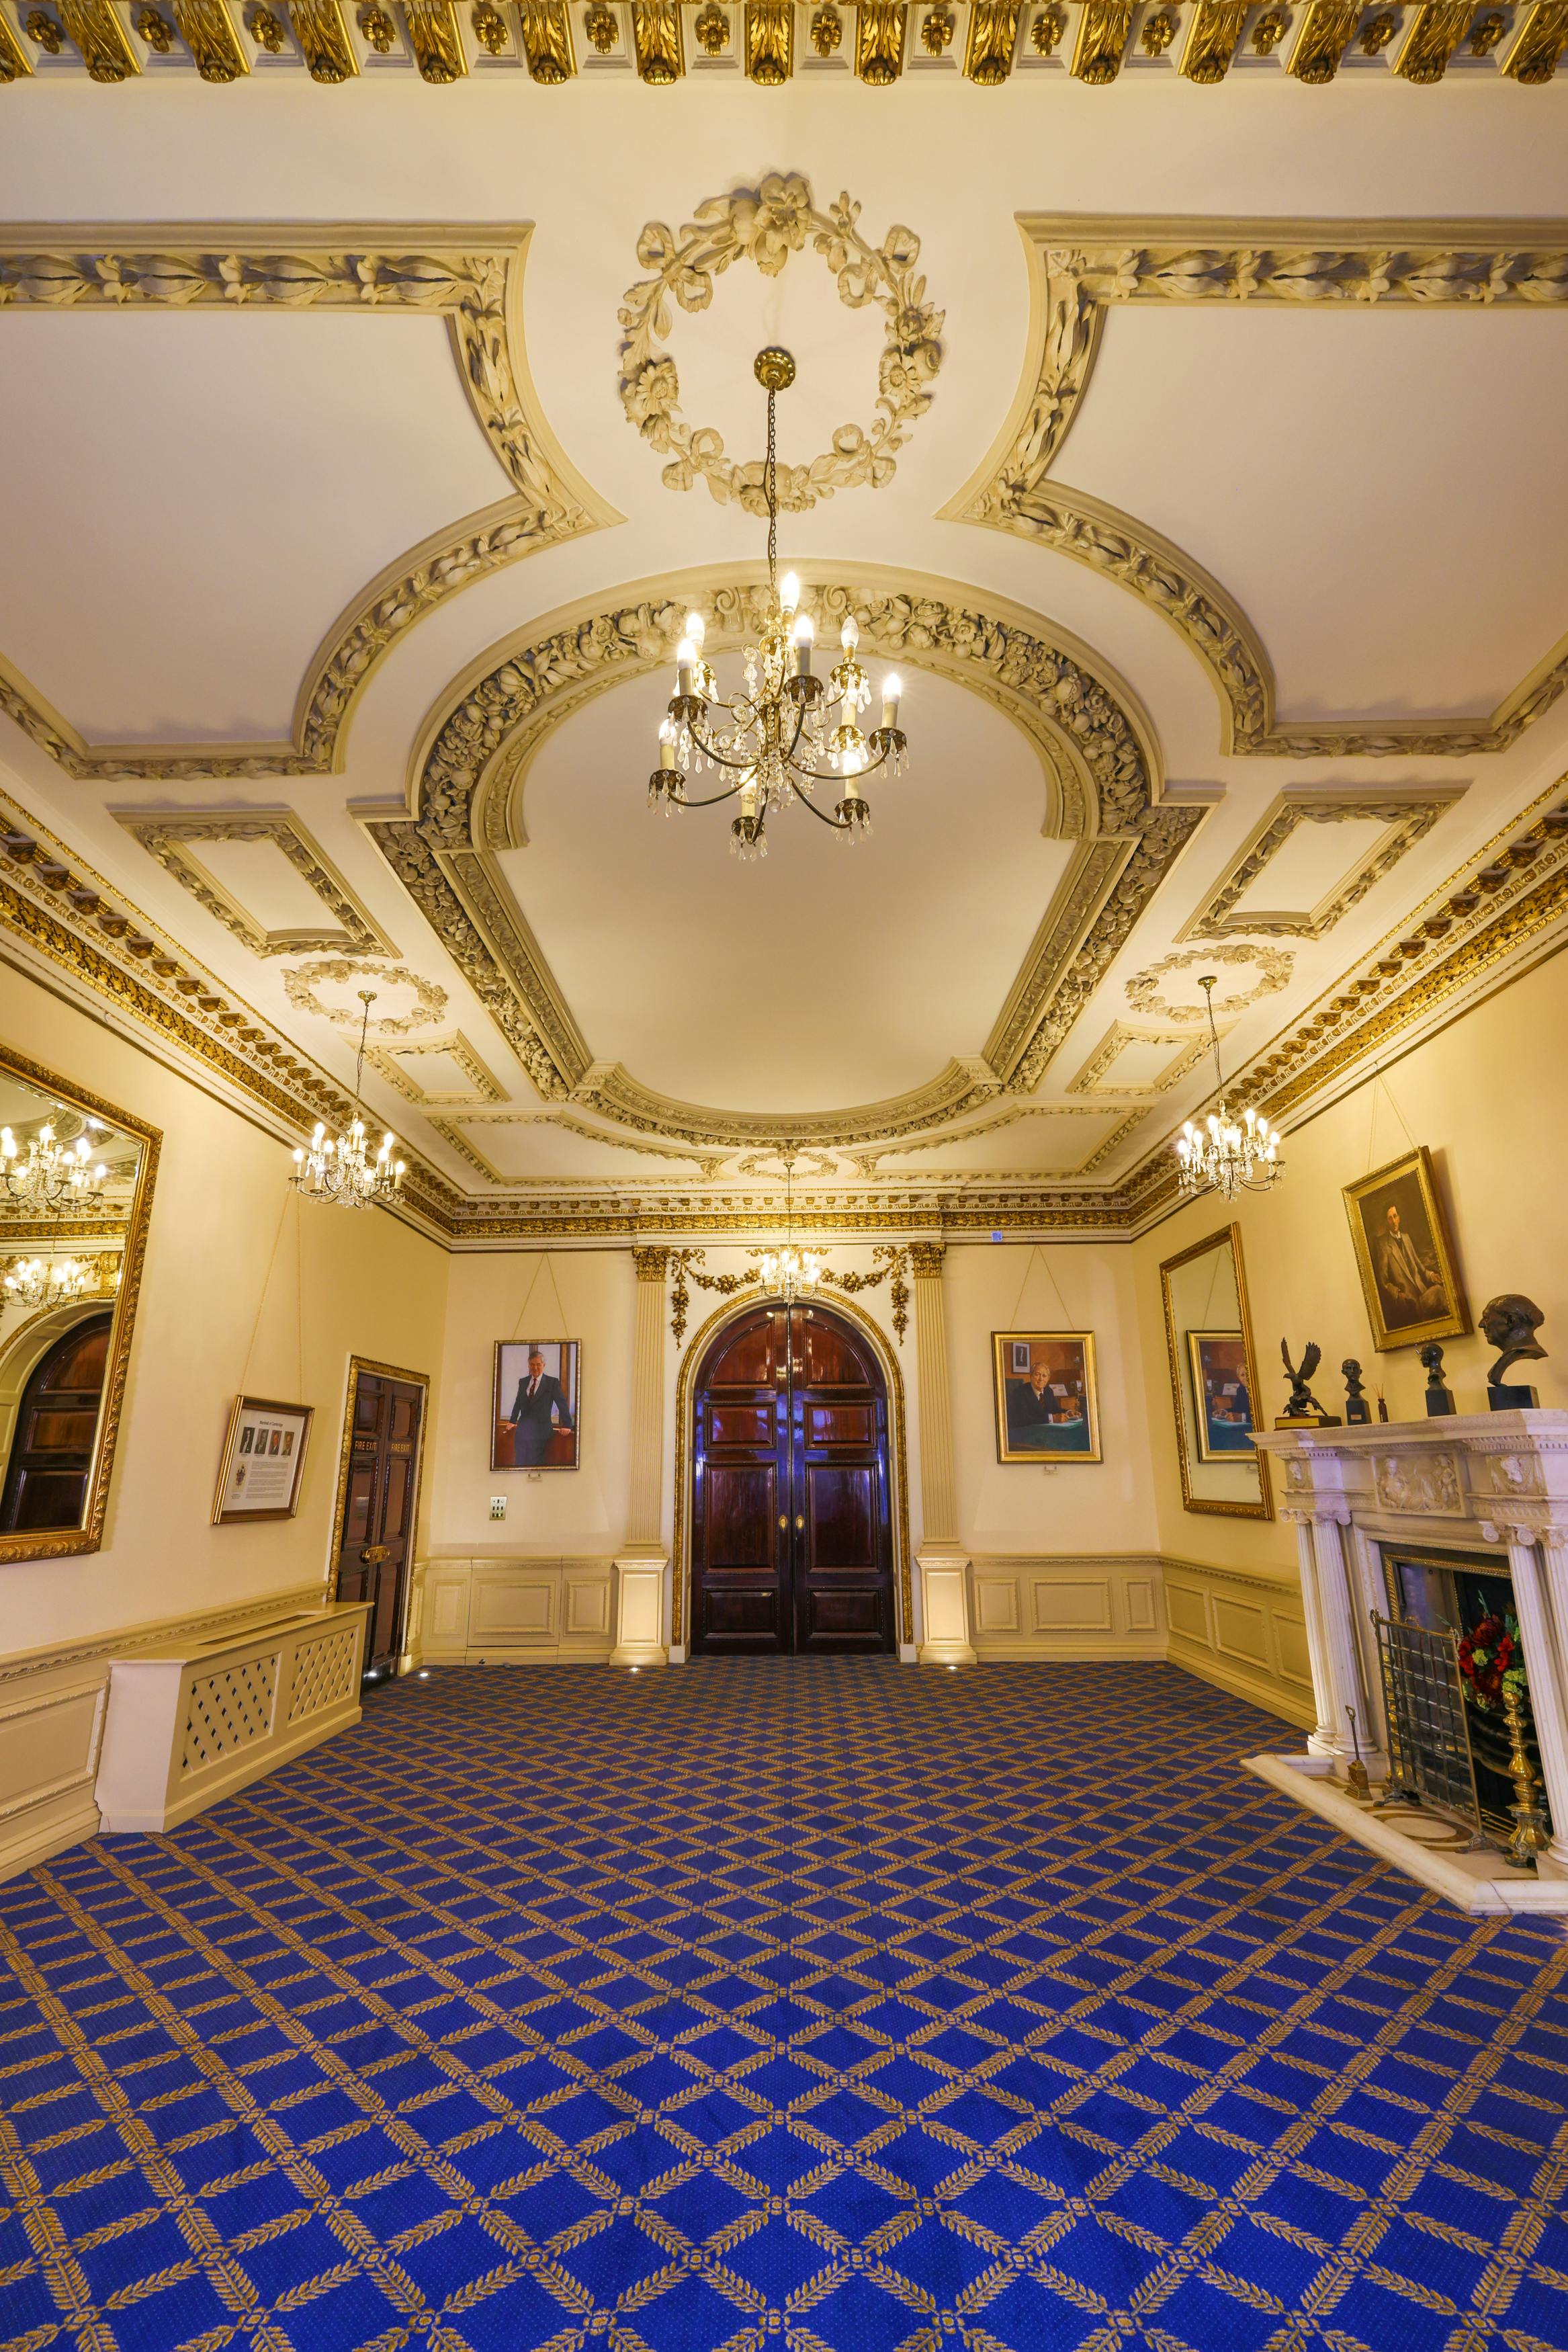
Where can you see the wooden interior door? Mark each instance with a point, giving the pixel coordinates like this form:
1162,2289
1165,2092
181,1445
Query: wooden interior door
791,1537
385,1430
57,1430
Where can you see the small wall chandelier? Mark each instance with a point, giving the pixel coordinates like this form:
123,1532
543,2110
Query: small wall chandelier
792,1273
776,737
50,1176
54,1281
340,1170
1232,1157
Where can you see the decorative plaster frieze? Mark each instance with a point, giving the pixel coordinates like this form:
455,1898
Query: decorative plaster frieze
168,835
1407,818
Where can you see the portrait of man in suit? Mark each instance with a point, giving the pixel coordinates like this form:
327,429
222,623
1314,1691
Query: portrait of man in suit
536,1391
1045,1396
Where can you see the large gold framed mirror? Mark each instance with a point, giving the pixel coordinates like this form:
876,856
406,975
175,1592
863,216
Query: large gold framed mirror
76,1188
1214,1379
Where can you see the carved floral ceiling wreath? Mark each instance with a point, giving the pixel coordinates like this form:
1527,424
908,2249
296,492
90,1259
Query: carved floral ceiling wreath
1273,966
767,224
301,984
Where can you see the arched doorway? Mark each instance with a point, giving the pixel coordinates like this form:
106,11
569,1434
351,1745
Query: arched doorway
57,1431
791,1527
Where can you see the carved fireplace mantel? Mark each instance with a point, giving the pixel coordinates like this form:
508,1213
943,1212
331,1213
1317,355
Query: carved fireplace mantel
1481,1484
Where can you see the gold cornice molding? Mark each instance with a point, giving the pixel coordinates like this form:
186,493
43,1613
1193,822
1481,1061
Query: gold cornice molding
765,41
1080,264
471,275
469,761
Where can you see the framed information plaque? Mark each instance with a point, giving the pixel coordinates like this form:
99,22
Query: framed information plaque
264,1461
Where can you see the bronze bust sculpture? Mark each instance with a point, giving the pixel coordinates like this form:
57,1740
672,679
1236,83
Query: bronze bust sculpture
1511,1322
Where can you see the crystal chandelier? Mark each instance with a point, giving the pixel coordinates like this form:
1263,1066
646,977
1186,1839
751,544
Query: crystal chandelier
339,1170
52,1281
789,1271
52,1176
1232,1156
777,740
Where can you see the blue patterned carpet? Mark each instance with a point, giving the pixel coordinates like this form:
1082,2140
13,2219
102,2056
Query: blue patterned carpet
830,2006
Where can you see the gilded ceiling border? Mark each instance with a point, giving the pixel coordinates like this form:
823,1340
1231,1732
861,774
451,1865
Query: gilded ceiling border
471,275
469,767
1080,264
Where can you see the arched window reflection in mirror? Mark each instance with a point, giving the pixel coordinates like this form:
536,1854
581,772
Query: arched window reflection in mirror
75,1184
1214,1379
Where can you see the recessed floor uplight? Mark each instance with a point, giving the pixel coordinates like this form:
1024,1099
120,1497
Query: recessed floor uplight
425,1673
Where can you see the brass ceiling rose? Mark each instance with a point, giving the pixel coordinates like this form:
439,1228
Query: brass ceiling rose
774,368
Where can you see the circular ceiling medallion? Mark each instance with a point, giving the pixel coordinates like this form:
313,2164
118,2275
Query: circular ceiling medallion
411,1001
766,226
1262,970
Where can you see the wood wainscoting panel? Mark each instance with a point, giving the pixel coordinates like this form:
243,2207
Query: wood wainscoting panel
1244,1632
1078,1605
515,1613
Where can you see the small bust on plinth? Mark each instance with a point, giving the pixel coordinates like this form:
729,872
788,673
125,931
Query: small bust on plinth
1511,1322
1357,1411
1439,1398
1302,1410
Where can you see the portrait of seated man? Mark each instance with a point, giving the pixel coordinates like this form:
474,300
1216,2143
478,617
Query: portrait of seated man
1049,1409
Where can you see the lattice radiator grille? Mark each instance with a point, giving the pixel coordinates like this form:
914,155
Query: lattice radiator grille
323,1672
228,1711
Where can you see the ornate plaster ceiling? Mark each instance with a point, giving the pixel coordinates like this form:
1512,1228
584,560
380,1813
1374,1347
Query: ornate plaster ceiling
1223,560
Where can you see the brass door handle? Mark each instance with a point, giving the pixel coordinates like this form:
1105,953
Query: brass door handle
799,1523
372,1552
783,1519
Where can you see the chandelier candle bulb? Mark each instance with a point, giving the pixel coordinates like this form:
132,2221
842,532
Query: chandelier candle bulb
801,636
789,593
685,662
892,688
850,635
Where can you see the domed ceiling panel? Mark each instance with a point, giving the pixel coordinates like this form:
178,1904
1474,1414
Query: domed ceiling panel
822,976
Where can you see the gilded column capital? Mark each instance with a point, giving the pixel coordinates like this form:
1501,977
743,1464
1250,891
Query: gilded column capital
925,1260
652,1265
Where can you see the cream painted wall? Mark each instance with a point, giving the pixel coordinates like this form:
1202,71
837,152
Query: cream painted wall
340,1284
1486,1096
1068,1506
583,1295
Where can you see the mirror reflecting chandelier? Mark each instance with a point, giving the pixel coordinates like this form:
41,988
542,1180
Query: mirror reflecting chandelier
1230,1154
49,1175
340,1170
777,738
792,1273
54,1281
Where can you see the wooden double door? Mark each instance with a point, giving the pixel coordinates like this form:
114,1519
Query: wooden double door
792,1525
376,1549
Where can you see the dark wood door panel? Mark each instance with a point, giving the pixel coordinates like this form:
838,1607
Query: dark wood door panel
791,1546
376,1542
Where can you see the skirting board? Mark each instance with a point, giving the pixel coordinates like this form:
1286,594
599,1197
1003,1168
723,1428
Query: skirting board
1303,1780
27,1841
1043,1652
1235,1681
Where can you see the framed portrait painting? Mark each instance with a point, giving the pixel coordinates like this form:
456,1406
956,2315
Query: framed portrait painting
534,1422
263,1462
1221,1394
1047,1409
1404,1255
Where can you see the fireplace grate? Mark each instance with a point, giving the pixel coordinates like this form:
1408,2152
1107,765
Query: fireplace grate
1430,1761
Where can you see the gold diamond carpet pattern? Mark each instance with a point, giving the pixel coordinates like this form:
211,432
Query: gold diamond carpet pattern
823,2005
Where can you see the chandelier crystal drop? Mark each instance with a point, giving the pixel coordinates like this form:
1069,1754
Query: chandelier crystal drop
789,1272
787,731
1233,1153
49,1175
339,1169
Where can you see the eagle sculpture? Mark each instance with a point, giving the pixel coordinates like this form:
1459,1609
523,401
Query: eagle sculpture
1301,1403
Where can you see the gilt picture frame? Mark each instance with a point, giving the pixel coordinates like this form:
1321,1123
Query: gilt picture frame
536,1418
1046,1396
1404,1255
263,1464
1222,1402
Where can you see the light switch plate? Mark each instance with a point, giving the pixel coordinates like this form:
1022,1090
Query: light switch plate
497,1507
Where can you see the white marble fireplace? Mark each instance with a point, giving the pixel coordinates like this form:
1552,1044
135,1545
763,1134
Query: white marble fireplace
1493,1484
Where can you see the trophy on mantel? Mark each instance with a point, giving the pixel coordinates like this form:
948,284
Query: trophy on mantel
1302,1410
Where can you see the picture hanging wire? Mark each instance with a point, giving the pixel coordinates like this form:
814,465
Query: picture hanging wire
1380,1086
1038,1252
543,1266
299,1296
